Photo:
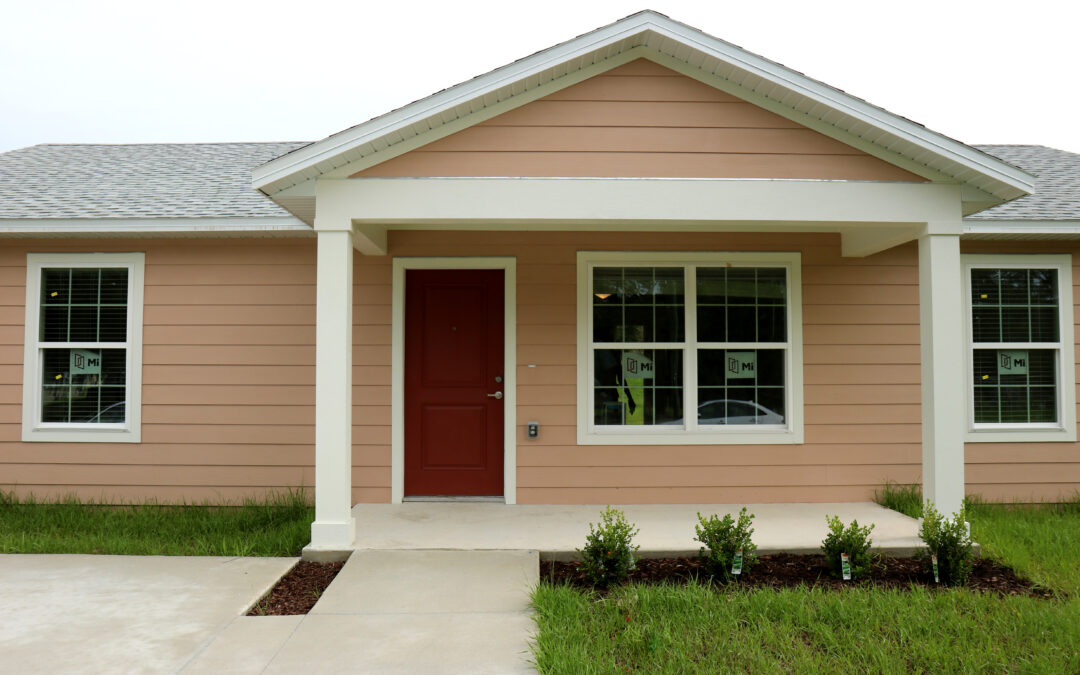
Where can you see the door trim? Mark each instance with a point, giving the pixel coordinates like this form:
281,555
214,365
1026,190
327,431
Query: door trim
397,364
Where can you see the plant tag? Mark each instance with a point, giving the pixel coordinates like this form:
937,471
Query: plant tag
736,565
845,566
933,559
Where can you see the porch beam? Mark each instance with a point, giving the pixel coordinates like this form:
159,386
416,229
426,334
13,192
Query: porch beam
634,203
334,528
943,374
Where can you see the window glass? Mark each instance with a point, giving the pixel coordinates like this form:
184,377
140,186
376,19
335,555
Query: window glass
1015,385
736,379
637,386
1015,313
640,304
749,384
84,384
1014,305
741,304
83,305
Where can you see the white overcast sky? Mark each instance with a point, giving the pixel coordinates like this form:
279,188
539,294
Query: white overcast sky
195,71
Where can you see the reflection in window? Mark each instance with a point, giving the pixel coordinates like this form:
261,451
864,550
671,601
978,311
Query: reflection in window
637,387
734,360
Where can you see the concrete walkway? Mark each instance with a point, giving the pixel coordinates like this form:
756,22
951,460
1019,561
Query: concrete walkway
121,614
665,529
395,612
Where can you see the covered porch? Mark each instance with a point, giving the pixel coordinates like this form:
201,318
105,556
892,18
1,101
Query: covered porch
529,217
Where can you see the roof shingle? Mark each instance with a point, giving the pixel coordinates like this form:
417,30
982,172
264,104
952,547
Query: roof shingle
1057,184
197,180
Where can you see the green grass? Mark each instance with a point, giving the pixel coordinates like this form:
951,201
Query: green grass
907,499
697,629
278,525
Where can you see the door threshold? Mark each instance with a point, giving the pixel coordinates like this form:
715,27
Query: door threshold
456,498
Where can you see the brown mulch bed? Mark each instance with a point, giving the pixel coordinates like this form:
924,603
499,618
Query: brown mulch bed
783,570
298,591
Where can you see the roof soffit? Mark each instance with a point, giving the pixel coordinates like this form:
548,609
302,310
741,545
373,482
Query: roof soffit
680,48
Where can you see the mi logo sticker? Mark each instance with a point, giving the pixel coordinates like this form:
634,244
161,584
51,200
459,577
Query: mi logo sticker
1012,362
741,365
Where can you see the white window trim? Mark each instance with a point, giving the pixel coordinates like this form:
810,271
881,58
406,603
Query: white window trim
33,429
591,434
1065,429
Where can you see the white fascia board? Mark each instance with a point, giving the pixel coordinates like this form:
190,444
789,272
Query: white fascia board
93,226
1065,228
269,176
856,108
631,202
303,158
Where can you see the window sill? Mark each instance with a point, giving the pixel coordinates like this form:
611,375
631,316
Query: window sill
1021,435
80,435
763,437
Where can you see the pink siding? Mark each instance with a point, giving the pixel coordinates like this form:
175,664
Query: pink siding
228,375
862,375
640,119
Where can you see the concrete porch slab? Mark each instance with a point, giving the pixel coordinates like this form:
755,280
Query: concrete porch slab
666,530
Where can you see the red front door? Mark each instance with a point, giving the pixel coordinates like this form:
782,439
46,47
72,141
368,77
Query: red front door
453,369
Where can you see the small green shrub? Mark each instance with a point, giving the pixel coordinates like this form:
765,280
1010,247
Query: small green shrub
608,555
950,542
853,540
723,537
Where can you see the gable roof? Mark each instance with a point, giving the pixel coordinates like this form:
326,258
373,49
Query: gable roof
655,36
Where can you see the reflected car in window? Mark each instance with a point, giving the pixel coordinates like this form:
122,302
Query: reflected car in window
730,411
114,414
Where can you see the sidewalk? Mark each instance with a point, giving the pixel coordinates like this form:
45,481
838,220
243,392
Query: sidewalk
121,614
396,612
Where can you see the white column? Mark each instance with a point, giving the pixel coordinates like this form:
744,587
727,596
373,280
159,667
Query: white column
943,380
334,526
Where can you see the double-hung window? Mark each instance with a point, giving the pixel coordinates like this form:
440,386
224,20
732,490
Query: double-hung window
1020,348
82,369
689,348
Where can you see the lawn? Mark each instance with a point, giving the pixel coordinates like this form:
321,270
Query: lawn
278,525
697,629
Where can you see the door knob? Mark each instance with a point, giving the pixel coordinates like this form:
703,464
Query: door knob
497,396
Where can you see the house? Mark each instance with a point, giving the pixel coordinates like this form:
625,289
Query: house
641,266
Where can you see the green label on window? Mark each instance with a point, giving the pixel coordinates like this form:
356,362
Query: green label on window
1012,362
741,365
84,362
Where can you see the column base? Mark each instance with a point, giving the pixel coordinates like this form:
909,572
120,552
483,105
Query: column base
333,535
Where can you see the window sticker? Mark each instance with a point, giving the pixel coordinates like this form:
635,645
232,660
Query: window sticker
1012,362
85,362
637,365
741,365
